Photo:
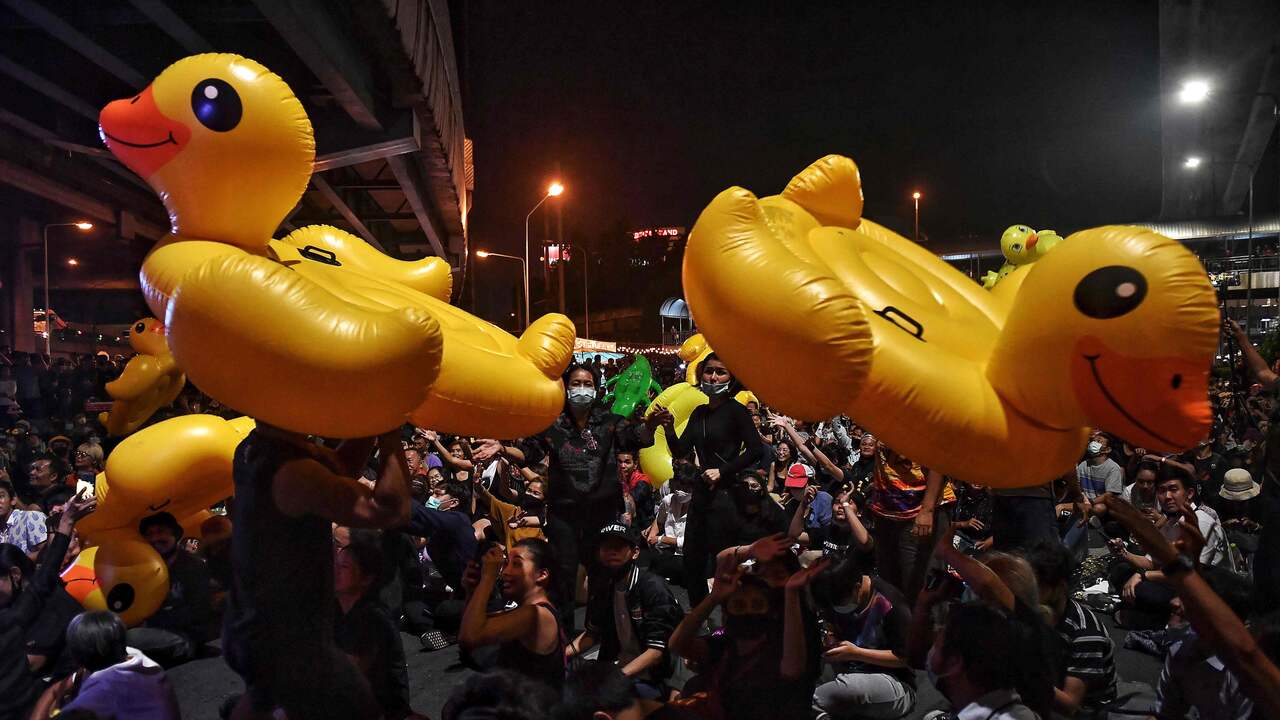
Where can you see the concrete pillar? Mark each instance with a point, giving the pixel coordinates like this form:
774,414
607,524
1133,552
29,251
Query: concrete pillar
20,288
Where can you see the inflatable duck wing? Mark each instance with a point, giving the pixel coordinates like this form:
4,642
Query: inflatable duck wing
1116,329
150,381
317,333
180,466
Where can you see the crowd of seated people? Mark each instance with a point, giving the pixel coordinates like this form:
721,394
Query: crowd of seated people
788,569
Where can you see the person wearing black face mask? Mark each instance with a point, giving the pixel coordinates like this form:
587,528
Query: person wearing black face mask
630,614
758,515
726,443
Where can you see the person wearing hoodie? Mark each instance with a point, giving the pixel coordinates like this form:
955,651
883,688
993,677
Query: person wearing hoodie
116,680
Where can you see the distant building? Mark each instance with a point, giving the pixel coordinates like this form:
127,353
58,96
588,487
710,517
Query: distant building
657,246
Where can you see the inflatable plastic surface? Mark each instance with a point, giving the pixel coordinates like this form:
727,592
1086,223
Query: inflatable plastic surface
1116,328
150,381
317,332
630,389
180,466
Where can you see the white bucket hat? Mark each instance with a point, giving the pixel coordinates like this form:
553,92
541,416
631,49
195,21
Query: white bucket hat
1238,484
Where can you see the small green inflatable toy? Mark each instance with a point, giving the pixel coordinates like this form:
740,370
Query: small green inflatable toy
630,389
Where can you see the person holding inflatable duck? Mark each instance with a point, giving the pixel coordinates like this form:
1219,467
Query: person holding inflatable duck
585,492
726,443
288,493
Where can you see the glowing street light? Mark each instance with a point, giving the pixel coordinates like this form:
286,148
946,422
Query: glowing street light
1193,92
556,189
915,196
1192,162
83,226
73,262
524,267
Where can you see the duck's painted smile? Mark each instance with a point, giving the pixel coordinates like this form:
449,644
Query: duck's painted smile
1102,386
1129,396
166,141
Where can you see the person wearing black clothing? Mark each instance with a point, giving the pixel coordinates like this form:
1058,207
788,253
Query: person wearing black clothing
529,637
726,442
173,633
280,608
621,590
585,491
363,627
20,603
865,626
758,515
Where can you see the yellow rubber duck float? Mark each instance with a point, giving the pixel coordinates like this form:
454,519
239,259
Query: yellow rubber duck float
680,399
317,332
181,466
150,381
1116,328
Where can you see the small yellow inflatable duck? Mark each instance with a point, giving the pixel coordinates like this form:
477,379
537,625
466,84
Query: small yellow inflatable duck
181,466
150,380
317,332
1020,246
1116,328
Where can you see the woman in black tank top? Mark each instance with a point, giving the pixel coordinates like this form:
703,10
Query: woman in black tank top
529,638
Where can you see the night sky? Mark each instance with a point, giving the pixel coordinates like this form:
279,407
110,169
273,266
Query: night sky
998,113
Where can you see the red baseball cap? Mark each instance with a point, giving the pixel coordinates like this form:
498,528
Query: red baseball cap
798,475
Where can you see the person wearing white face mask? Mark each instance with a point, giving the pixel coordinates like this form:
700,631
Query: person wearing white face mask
584,492
726,443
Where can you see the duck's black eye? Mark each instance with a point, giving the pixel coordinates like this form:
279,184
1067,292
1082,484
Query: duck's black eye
216,105
120,598
139,328
1176,382
1110,292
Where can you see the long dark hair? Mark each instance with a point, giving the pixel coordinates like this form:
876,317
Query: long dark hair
544,558
597,379
734,385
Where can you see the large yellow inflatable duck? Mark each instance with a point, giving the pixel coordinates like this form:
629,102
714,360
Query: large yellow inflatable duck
150,380
181,466
317,332
1116,328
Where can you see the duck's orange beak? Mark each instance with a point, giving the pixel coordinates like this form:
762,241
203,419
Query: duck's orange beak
1158,403
135,131
1031,241
80,579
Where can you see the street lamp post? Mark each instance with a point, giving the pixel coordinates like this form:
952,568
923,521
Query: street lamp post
554,190
915,197
1196,91
524,267
82,225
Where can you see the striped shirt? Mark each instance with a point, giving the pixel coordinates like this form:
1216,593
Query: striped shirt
898,488
1091,657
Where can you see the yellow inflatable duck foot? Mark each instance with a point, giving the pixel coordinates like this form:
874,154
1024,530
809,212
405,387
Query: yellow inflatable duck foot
548,344
779,288
281,333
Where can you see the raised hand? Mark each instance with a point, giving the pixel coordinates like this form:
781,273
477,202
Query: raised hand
771,547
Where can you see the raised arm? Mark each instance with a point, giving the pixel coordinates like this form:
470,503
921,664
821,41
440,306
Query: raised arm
1257,366
305,487
478,627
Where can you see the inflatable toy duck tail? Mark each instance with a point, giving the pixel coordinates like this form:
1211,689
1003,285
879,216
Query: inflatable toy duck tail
754,238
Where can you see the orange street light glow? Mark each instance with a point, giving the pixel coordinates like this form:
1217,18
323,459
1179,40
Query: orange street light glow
555,190
915,195
84,225
482,253
73,262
